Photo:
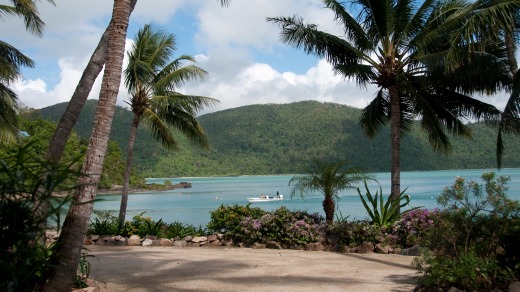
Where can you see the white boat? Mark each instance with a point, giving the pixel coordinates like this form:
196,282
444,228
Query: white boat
265,199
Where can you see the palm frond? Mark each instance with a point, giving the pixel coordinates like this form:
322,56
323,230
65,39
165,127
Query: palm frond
376,114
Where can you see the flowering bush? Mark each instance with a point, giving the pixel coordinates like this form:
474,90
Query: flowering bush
411,226
283,226
227,218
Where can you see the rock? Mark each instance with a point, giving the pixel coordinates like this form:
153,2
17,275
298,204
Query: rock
215,242
147,242
120,242
88,241
94,237
134,240
199,239
106,241
333,239
500,250
514,287
397,250
273,245
51,234
353,249
257,245
366,247
220,236
179,243
412,251
314,246
118,238
346,249
212,237
188,238
379,248
152,237
165,242
135,236
156,242
453,289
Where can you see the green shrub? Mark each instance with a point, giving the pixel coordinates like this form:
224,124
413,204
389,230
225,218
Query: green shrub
178,229
474,239
356,232
384,213
27,204
227,219
104,223
283,226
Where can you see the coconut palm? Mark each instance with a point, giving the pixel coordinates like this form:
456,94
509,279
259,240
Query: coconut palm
11,59
152,78
328,179
394,45
63,266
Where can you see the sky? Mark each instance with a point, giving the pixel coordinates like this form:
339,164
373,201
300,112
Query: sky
242,52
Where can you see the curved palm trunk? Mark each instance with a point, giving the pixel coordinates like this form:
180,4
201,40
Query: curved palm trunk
69,245
329,208
395,137
128,169
80,95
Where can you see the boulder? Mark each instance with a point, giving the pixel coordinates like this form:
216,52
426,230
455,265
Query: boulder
120,242
88,241
156,242
366,247
380,248
257,245
314,246
152,237
397,250
453,289
212,237
94,237
134,240
165,242
412,251
106,241
147,242
199,239
514,287
273,245
220,236
353,249
215,243
179,243
188,238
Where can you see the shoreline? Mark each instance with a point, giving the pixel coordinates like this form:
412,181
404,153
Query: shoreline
117,189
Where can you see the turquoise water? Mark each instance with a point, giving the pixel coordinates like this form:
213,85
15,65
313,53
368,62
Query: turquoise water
193,206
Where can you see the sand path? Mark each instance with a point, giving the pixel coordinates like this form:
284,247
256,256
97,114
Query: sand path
245,269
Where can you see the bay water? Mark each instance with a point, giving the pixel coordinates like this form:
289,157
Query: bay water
193,205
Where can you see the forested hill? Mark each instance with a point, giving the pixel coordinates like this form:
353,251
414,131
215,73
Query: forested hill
282,138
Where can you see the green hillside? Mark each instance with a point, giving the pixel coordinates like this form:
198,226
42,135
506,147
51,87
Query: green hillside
282,138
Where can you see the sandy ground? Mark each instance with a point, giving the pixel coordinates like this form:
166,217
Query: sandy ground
244,269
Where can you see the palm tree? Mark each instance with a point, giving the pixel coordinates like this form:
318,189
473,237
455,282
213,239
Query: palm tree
394,45
65,260
152,78
329,179
80,95
11,59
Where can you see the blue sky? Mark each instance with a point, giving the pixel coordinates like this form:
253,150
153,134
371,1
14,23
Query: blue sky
246,61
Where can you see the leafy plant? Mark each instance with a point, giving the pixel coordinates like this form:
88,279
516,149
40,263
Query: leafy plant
283,226
104,223
227,219
475,238
27,204
83,269
384,213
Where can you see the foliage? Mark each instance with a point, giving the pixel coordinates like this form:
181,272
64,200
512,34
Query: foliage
27,203
142,226
357,232
283,226
180,230
383,213
479,231
329,178
104,223
280,139
83,270
227,219
412,226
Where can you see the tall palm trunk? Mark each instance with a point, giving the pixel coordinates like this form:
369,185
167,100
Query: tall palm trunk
80,95
70,242
395,137
329,208
128,169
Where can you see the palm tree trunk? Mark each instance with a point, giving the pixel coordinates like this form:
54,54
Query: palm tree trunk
395,137
65,260
78,99
128,169
329,207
